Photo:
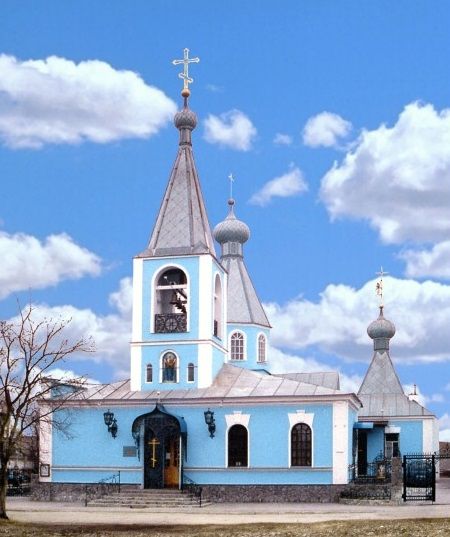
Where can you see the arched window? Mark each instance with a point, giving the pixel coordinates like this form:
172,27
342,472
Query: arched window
190,373
149,373
261,348
301,447
169,365
171,302
237,446
237,346
217,324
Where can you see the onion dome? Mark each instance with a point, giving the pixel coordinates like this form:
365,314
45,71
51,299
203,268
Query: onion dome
231,229
185,119
381,331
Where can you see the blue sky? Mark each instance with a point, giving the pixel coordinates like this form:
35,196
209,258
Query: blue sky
333,118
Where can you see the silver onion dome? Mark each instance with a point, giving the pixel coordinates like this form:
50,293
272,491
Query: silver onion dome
185,119
231,229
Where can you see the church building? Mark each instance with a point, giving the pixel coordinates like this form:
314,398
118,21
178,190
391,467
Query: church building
202,405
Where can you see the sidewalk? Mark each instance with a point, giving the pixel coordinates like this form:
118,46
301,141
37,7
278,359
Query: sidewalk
24,510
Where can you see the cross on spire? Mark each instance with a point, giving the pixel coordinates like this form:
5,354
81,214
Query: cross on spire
379,285
185,74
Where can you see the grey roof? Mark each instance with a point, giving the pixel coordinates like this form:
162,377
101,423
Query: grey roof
182,225
244,305
381,392
231,382
328,379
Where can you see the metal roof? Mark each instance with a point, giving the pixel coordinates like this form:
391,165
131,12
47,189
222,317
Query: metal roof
328,379
244,305
231,382
182,225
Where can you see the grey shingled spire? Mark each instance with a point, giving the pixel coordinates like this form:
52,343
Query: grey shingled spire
244,306
182,225
381,392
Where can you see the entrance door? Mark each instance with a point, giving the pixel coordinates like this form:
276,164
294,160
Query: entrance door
172,462
362,452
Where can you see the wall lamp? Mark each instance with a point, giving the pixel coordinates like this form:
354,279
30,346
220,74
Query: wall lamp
210,422
111,423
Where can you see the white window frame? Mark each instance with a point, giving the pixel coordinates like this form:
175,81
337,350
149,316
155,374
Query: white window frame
244,346
261,334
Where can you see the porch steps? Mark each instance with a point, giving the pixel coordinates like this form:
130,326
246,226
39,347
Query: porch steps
148,499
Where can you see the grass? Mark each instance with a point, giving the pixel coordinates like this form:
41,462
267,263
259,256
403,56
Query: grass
374,528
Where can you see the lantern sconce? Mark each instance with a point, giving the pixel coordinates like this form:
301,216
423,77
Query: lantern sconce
111,423
210,422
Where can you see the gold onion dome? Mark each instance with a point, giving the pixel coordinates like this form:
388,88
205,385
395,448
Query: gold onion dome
231,229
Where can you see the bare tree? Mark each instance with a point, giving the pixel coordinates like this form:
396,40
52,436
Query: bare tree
29,348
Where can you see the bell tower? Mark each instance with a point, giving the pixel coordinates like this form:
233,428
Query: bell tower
179,286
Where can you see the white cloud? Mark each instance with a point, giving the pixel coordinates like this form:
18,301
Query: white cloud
444,428
398,179
337,323
28,263
434,262
66,375
232,129
281,362
423,399
111,333
282,139
325,129
287,185
58,101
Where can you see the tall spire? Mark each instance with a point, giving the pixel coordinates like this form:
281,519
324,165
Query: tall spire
182,226
243,302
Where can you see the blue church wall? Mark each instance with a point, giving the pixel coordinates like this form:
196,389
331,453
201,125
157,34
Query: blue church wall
411,436
352,419
375,443
251,333
152,266
94,454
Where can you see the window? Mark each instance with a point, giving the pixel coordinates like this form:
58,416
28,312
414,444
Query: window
171,302
149,373
301,445
392,448
169,367
237,346
261,348
190,373
238,446
217,324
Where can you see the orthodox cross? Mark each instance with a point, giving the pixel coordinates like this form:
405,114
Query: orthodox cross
185,74
231,178
379,285
153,443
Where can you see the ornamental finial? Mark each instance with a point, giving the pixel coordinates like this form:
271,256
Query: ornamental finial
231,179
379,286
185,74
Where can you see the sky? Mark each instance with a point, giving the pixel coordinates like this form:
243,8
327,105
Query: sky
332,116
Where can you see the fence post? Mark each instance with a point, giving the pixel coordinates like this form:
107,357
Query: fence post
405,470
119,481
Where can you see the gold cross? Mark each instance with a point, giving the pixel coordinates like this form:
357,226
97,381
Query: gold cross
185,74
379,285
153,443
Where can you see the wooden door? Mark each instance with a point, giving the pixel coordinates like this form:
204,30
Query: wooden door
172,462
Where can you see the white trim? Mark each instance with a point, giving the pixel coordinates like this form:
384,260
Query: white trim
340,443
244,359
138,274
392,430
205,295
307,418
46,441
428,441
220,298
204,367
177,367
237,418
155,277
136,368
160,342
258,335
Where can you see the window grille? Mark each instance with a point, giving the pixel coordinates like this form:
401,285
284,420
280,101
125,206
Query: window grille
237,346
301,445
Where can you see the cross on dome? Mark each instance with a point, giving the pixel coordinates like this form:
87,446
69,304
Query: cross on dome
185,74
379,285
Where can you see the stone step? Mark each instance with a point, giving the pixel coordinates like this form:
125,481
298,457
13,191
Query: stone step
142,499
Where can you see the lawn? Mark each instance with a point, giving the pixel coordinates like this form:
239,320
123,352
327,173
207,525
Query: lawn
375,528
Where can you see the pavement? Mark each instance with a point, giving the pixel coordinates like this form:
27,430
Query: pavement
24,510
